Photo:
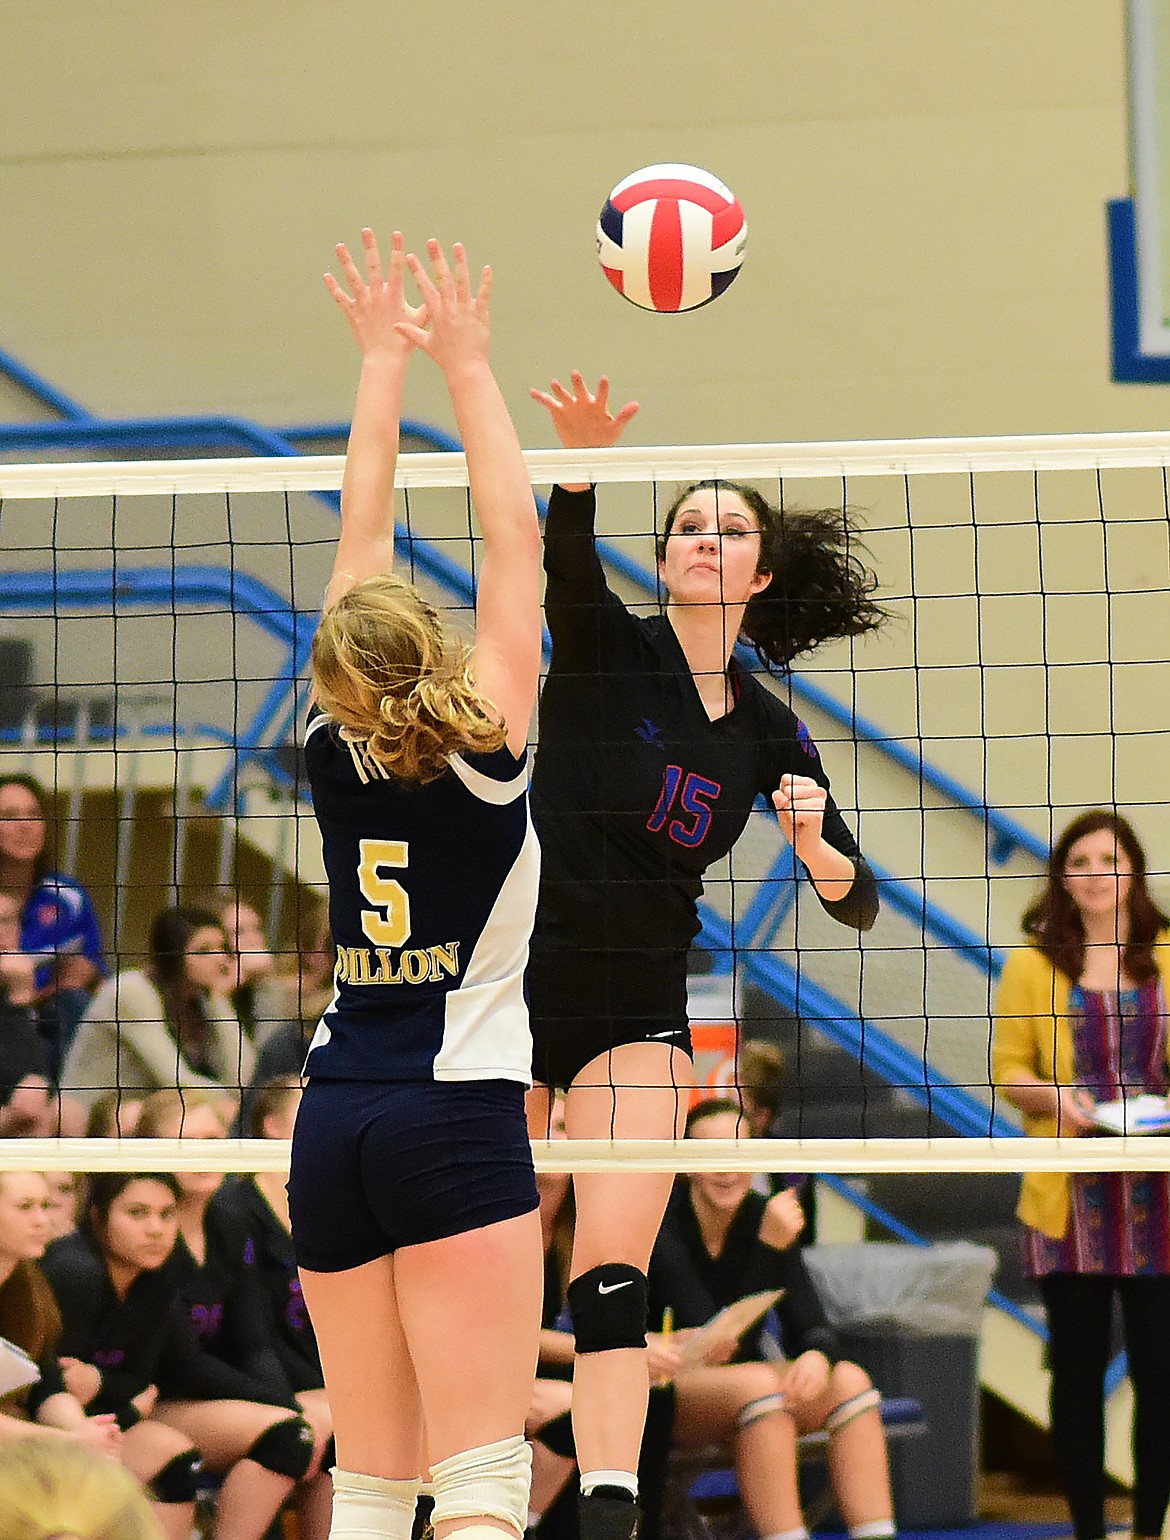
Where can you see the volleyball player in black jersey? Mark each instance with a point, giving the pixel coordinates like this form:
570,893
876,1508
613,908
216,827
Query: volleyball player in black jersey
654,744
412,1197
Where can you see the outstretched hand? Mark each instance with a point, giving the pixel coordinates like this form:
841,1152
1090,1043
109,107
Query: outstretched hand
375,306
582,418
459,328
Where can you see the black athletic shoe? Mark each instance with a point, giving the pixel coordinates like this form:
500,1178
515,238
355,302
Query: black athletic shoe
606,1517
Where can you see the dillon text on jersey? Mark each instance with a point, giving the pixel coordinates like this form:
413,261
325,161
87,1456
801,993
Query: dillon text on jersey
380,965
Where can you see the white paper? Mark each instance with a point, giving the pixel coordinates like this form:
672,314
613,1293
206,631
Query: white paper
17,1369
1134,1115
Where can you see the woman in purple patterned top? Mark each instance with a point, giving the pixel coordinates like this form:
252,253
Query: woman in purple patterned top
1081,1020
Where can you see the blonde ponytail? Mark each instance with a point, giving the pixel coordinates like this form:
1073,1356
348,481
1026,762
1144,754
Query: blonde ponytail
387,673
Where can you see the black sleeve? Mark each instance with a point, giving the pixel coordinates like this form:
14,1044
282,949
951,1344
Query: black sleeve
21,1051
859,908
676,1280
51,1383
81,1285
793,752
803,1324
579,606
247,1336
188,1372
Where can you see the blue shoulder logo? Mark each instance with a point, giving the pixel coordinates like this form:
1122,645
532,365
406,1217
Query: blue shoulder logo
650,733
804,738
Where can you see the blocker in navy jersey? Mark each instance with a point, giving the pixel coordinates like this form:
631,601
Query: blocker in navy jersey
432,892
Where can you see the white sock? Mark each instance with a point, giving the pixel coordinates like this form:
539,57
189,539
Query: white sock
371,1507
876,1529
788,1534
609,1478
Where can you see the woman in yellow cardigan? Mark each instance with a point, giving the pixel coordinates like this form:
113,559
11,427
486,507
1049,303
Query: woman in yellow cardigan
1080,1018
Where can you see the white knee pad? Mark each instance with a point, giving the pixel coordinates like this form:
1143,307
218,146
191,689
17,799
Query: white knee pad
489,1482
371,1507
852,1408
762,1406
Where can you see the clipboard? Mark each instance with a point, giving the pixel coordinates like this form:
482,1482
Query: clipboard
730,1322
17,1369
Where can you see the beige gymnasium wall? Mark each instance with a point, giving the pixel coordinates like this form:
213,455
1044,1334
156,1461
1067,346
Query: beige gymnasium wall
925,186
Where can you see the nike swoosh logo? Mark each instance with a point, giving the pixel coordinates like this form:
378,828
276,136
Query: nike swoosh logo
613,1287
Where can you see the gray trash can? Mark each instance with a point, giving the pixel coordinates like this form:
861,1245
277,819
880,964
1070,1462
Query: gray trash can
911,1316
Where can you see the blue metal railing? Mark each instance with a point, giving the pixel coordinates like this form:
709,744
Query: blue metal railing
873,1048
188,587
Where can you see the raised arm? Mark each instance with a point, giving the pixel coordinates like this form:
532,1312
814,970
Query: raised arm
374,307
506,661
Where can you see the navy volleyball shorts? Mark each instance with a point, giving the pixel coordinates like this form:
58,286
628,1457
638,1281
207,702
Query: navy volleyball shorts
379,1166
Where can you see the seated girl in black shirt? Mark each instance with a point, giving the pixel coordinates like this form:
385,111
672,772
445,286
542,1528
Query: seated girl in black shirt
721,1242
213,1271
30,1320
257,1205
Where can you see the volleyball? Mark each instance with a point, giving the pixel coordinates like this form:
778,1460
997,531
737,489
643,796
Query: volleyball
671,238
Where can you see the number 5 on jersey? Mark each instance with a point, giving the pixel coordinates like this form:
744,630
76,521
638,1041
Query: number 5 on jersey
388,923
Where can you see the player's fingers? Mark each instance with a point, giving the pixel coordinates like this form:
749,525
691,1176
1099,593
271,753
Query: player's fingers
542,396
418,272
415,334
630,409
443,280
601,395
397,256
580,390
562,395
461,274
373,258
483,298
349,268
338,292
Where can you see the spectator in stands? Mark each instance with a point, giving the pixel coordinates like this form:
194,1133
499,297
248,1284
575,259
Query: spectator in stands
305,994
760,1074
25,1098
1081,1019
113,1116
214,1269
128,1336
63,1490
309,988
258,1206
113,1328
30,1320
720,1242
58,923
63,1200
169,1024
256,997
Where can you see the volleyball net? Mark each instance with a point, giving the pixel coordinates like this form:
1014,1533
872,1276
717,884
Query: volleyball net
156,619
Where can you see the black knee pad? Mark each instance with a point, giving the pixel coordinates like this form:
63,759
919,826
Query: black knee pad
329,1454
178,1481
608,1305
286,1448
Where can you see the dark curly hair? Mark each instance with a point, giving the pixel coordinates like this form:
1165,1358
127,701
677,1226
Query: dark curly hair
1054,922
820,589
